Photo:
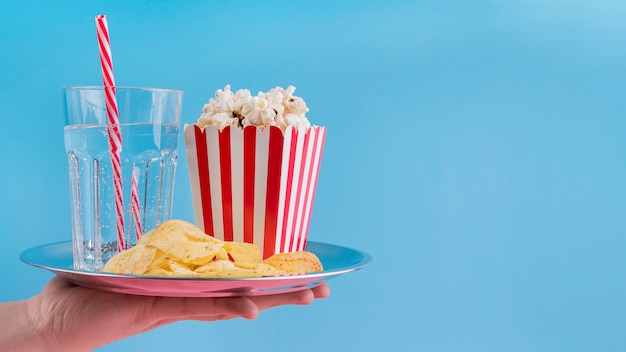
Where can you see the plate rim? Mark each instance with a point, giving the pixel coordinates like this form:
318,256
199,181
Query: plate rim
365,260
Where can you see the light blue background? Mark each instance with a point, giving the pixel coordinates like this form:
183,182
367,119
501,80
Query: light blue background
475,149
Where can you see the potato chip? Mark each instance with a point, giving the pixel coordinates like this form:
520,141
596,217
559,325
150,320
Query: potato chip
161,260
228,269
181,241
180,269
262,269
157,271
180,249
145,238
300,262
136,260
221,255
243,252
215,266
187,229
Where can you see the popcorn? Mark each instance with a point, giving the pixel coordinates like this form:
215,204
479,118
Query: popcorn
278,107
254,162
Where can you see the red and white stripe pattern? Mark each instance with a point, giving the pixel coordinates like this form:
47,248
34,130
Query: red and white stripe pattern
252,186
135,206
115,137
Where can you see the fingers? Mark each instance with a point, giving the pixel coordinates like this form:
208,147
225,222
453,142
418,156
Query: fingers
205,309
169,309
163,322
321,291
303,297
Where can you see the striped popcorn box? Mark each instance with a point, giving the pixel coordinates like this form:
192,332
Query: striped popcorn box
255,186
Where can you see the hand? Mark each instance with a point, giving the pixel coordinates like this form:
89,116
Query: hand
74,318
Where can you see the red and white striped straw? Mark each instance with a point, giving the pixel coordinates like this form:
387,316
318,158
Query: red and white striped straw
134,204
115,137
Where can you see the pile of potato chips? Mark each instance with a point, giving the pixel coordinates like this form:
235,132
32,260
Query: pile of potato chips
178,248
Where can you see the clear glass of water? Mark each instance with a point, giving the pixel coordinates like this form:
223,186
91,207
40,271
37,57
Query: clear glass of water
149,123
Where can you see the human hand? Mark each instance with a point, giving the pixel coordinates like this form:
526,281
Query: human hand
75,318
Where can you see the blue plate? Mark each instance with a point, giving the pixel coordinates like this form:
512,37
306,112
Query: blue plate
57,257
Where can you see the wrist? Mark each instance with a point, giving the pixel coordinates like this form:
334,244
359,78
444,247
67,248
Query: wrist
17,329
